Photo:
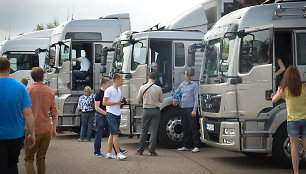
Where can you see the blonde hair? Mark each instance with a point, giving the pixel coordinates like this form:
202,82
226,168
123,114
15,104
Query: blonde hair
87,91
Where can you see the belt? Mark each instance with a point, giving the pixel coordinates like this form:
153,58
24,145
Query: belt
152,108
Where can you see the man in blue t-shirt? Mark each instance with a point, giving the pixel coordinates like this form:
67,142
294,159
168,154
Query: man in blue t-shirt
15,108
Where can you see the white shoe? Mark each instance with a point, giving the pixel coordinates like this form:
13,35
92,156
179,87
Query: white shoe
110,156
183,149
196,150
120,156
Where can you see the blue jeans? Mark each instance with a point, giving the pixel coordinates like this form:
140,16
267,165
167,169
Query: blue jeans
79,74
101,125
114,123
296,128
87,122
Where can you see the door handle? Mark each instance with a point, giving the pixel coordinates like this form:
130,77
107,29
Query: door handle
268,94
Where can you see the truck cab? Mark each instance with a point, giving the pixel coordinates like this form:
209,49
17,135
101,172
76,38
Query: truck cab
74,39
22,55
238,75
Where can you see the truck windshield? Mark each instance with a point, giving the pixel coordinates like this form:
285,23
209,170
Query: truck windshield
211,60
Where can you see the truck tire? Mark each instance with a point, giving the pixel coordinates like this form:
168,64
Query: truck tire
281,152
170,132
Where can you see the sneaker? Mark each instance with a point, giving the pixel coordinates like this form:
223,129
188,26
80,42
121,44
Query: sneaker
153,154
120,156
110,156
183,149
79,140
100,155
123,151
196,150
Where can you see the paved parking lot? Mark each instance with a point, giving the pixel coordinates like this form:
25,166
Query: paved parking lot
68,156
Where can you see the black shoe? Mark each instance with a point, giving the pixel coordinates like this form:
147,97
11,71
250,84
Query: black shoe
138,153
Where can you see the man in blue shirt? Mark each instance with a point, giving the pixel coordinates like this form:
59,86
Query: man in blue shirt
15,108
189,104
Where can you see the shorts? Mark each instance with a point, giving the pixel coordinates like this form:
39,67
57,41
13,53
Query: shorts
296,128
114,123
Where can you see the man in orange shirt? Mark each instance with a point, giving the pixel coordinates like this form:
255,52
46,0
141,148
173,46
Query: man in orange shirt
43,102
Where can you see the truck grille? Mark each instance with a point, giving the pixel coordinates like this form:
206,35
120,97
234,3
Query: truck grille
212,135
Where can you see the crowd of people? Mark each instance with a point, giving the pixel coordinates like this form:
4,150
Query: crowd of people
33,104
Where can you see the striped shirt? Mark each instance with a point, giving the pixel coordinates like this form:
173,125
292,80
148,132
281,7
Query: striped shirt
190,92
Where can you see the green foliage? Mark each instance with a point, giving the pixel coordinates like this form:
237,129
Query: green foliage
50,25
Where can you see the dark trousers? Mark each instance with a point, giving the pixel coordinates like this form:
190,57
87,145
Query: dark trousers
9,154
190,128
150,120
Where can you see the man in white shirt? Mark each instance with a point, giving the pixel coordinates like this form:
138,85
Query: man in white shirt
112,102
85,65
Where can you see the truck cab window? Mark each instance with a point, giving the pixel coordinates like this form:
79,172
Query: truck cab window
301,48
255,50
64,54
23,61
139,54
179,54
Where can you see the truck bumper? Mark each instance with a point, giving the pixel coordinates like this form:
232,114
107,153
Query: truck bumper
221,134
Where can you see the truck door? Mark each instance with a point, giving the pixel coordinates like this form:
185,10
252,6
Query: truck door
64,67
139,67
255,70
179,64
301,53
96,75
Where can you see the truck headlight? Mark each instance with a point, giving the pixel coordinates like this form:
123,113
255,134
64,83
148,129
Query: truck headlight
229,131
228,141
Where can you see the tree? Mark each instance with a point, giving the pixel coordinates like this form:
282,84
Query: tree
50,25
39,27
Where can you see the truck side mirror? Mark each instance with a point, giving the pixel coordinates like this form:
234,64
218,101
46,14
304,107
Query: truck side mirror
191,55
190,72
225,48
104,56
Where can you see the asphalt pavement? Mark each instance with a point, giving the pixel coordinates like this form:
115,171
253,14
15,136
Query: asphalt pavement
68,156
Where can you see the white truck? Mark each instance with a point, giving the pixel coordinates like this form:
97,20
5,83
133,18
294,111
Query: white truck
73,39
21,53
167,46
238,76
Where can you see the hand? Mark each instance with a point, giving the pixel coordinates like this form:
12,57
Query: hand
53,135
31,141
193,113
174,102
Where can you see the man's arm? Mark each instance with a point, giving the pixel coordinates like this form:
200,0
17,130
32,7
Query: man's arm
97,107
139,96
53,112
29,120
160,98
75,59
108,103
196,98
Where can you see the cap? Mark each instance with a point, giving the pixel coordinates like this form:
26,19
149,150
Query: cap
154,64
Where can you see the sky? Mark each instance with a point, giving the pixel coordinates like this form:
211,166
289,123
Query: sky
22,16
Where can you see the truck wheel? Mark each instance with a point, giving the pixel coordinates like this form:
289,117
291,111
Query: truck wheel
281,150
170,132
